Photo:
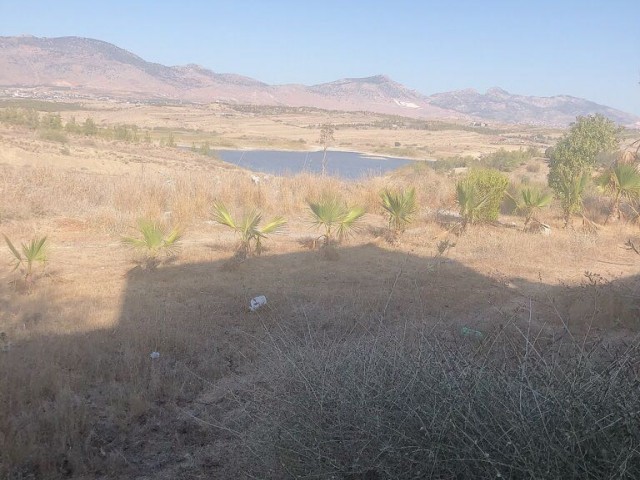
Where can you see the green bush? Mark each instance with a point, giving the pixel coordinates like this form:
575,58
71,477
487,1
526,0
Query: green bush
448,164
507,161
480,194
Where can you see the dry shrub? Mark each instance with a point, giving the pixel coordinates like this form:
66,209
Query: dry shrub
513,405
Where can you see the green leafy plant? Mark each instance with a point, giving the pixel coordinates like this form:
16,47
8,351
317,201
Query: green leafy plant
532,201
479,195
28,255
335,217
571,190
400,207
621,182
248,228
573,158
154,241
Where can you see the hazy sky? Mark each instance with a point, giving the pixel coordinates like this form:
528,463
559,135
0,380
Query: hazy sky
584,48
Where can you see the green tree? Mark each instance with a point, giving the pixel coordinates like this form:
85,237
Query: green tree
574,156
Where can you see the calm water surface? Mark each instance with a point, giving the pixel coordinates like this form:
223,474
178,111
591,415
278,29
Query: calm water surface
348,165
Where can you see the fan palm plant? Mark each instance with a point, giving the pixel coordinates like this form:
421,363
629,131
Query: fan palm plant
154,241
400,207
621,181
470,202
335,217
248,228
571,190
533,200
29,253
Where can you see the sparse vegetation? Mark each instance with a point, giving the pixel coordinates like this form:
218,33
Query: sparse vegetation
248,228
507,161
154,241
53,136
326,139
515,405
338,221
490,360
479,195
400,206
621,182
532,201
29,254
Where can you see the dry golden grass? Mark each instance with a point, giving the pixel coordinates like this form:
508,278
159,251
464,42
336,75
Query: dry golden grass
82,398
224,126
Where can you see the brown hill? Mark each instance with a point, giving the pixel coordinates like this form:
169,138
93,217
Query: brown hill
87,67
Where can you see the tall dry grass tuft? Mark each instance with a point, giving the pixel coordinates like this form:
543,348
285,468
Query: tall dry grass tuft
517,404
113,203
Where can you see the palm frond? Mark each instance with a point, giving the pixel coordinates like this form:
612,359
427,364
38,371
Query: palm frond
349,223
274,225
327,211
222,215
35,250
14,251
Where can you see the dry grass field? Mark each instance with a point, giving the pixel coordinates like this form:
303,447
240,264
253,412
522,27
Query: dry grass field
81,397
298,129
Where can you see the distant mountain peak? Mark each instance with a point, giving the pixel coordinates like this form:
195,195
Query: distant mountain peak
376,79
497,91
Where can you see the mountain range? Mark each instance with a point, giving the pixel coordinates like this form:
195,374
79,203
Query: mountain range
76,66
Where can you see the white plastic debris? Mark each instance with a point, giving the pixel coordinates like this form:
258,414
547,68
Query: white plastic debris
155,355
257,302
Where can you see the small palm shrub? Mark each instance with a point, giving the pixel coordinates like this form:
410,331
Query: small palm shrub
30,253
532,201
479,195
154,241
621,182
338,220
400,207
570,191
248,228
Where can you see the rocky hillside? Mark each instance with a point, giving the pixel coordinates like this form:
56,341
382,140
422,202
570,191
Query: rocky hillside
501,106
74,66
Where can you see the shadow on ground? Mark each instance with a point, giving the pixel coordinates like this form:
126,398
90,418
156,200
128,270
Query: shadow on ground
97,404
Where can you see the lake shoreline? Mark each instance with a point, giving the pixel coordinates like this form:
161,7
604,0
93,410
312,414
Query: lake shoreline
346,164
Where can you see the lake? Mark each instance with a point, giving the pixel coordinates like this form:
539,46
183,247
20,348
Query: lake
347,165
